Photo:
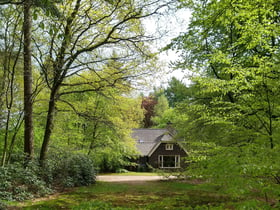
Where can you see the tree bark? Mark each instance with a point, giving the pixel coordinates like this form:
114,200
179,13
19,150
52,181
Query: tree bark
49,127
5,146
59,76
17,128
28,107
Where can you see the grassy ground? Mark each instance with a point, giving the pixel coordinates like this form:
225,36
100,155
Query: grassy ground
131,173
142,195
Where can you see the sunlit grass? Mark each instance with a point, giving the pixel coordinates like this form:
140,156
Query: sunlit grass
130,173
156,195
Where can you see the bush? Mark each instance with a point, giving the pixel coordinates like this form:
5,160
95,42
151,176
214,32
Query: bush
121,170
69,170
2,206
19,182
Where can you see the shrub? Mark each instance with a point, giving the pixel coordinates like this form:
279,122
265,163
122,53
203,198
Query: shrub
2,206
19,182
121,170
69,170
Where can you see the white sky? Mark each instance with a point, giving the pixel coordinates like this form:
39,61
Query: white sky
170,26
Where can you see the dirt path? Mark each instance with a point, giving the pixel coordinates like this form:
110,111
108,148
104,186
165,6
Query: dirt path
124,178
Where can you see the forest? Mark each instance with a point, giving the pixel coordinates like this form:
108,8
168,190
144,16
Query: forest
71,75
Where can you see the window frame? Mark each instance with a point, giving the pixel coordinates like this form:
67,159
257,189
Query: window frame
177,161
168,146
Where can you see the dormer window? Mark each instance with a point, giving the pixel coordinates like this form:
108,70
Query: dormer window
169,147
140,140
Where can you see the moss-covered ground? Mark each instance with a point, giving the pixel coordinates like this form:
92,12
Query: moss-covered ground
157,195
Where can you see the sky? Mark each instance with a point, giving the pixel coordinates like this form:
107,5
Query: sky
170,26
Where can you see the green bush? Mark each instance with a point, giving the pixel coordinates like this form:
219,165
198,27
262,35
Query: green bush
121,170
19,182
2,206
69,170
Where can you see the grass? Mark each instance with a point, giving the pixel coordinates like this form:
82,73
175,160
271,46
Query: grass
143,195
131,173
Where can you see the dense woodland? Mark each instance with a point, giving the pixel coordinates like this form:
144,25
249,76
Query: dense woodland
69,71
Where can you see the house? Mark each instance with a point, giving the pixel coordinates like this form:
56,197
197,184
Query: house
159,149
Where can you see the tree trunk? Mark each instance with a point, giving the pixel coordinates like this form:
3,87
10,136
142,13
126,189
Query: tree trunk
2,94
28,109
17,128
5,146
58,78
49,127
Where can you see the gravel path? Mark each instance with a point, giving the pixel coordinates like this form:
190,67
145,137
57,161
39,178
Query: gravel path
117,178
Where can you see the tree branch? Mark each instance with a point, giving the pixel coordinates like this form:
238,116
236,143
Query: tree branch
3,2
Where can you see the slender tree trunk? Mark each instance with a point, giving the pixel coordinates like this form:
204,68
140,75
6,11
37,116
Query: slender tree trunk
28,109
93,139
2,94
5,146
2,86
17,128
49,127
58,79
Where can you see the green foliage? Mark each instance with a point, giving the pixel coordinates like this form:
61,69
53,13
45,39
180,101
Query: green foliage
67,169
250,166
100,127
2,206
86,55
112,158
160,108
19,182
231,122
167,117
48,6
176,92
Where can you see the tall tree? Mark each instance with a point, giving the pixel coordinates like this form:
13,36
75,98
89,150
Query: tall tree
233,49
159,109
49,7
148,104
236,61
85,39
27,73
176,91
10,91
98,124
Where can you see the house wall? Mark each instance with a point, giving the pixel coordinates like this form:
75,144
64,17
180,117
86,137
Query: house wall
177,150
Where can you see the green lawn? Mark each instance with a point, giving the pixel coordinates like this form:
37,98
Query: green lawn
144,195
131,173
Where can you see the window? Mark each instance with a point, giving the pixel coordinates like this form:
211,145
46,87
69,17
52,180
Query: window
169,147
169,161
140,140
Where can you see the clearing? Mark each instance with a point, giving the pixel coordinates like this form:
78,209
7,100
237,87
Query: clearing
143,193
130,178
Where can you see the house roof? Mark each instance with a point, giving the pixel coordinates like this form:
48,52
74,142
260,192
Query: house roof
147,139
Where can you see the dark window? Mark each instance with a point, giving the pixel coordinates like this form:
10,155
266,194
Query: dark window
169,161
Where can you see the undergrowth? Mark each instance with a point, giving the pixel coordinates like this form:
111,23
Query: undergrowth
20,181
